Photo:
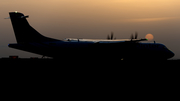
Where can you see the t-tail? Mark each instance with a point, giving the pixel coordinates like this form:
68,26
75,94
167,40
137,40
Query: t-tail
23,31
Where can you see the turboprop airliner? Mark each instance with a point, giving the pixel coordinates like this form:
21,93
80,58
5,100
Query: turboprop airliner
30,40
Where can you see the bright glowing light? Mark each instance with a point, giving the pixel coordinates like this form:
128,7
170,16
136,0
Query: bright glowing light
16,11
149,37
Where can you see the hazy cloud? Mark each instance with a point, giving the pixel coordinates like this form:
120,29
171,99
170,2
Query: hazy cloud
149,19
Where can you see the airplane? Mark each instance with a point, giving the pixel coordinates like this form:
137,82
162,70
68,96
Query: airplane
30,40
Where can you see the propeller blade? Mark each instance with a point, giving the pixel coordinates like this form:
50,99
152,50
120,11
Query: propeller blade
108,37
112,35
136,35
132,37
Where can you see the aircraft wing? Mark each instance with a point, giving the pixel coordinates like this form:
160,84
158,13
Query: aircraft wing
104,40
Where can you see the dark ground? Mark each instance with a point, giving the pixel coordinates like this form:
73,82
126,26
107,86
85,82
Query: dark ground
92,62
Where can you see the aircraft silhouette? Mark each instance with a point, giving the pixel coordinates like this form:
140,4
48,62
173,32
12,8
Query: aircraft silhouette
30,40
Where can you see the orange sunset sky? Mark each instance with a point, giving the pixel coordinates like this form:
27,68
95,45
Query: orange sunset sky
94,19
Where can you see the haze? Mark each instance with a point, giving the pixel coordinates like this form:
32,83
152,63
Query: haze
94,19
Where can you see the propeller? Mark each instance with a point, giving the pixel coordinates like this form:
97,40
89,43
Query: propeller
111,37
147,37
134,37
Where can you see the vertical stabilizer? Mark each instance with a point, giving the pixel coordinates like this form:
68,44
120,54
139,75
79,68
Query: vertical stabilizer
23,31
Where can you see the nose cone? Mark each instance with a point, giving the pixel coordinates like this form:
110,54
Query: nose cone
170,54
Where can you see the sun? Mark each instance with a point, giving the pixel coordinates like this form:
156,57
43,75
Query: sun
149,37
